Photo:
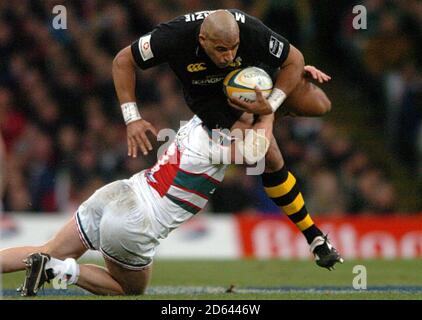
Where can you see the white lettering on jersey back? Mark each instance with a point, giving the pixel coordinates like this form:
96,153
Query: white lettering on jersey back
239,17
200,15
276,47
145,47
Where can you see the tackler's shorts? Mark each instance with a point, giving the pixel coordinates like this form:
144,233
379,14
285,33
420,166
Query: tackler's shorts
117,221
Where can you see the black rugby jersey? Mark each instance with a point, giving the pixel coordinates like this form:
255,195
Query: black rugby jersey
177,43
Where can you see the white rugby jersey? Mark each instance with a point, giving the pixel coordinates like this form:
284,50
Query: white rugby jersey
184,178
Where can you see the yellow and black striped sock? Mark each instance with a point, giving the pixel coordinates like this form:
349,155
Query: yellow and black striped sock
282,188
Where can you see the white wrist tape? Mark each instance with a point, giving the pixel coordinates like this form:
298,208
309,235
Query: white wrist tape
130,112
276,98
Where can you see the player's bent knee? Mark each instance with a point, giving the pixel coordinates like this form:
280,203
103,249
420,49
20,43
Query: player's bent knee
322,103
324,106
319,108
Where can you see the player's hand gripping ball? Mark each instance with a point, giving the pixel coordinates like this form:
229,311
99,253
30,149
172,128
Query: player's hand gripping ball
241,83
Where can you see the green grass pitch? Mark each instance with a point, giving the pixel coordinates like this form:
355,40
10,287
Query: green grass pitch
260,279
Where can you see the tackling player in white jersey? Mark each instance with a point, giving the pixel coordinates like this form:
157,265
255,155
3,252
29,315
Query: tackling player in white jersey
126,219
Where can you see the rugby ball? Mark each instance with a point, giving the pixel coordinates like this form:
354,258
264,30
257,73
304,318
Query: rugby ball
240,83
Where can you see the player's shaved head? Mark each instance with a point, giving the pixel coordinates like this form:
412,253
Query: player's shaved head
220,25
219,37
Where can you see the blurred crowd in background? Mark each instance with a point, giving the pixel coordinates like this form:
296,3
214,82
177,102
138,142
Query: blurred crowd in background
65,136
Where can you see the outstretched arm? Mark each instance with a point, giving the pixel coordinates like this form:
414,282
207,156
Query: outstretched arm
124,77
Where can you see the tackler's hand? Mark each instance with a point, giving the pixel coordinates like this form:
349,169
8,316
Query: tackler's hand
136,137
316,74
260,106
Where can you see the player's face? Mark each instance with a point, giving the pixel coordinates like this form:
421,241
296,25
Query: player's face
221,52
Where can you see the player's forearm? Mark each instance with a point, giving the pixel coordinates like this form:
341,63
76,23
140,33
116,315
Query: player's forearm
124,76
265,122
255,142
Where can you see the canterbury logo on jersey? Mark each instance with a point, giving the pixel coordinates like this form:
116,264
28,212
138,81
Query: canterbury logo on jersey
195,67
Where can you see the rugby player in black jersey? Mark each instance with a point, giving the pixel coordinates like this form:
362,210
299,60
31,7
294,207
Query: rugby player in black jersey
202,48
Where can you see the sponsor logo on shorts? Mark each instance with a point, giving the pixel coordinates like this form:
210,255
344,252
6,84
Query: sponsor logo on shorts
195,67
276,47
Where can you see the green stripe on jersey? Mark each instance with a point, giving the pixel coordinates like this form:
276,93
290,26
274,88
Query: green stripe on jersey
195,182
182,204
